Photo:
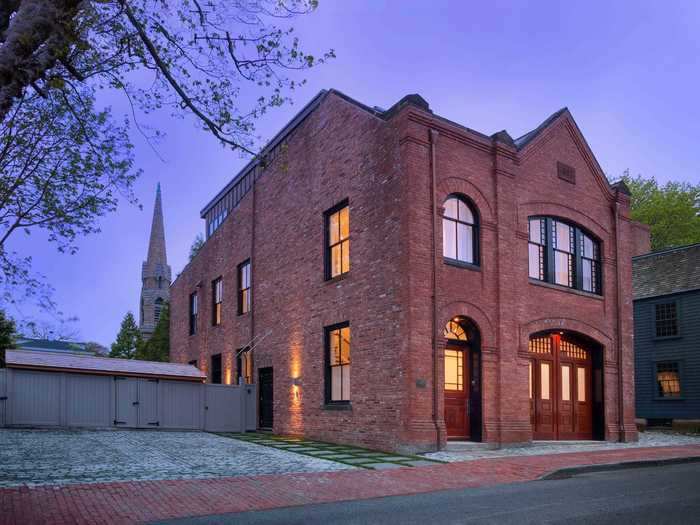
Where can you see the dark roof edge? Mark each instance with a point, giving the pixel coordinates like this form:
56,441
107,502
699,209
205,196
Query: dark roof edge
528,137
667,250
665,294
279,137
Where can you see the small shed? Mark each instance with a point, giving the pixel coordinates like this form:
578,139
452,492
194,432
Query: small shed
42,389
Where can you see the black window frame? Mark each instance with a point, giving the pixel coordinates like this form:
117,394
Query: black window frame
675,319
549,249
217,369
194,312
475,227
217,298
247,292
328,390
328,247
671,364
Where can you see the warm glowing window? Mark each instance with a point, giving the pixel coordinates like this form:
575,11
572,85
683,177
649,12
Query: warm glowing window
338,363
544,381
338,240
244,365
668,379
540,345
459,231
244,287
563,254
565,383
217,293
581,383
194,312
666,319
216,369
529,377
454,370
454,330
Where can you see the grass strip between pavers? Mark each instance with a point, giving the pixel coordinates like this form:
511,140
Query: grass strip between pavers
311,448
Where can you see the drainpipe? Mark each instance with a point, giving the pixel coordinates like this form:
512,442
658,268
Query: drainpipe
620,387
433,191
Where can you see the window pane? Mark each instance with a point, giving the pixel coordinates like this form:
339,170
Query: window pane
336,261
581,383
334,228
536,231
334,342
565,383
346,382
449,238
534,261
465,214
465,246
453,370
587,267
563,239
345,345
336,378
588,247
544,381
345,262
561,268
344,222
451,207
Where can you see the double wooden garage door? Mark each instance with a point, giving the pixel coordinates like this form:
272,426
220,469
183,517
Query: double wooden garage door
136,402
560,389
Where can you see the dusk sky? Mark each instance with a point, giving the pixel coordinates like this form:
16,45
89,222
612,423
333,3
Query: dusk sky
628,71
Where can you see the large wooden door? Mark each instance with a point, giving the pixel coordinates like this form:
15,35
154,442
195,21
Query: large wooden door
265,405
457,392
560,386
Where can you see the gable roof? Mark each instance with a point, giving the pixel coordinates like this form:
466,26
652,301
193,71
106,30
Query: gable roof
64,362
524,140
666,272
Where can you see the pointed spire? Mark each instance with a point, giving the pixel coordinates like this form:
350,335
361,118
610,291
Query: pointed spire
156,244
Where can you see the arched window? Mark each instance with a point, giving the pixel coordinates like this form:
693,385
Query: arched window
454,330
564,254
460,231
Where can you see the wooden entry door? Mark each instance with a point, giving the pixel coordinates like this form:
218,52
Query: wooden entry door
265,405
560,388
457,392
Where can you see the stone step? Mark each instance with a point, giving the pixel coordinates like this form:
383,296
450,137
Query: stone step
466,446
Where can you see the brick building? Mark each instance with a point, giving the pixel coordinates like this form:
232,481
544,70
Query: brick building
393,279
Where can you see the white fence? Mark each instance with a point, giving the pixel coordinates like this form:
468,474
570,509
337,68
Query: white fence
60,399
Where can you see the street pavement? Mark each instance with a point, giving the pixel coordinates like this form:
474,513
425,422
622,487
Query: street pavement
658,495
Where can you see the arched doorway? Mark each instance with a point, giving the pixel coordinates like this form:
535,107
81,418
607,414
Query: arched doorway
462,386
565,386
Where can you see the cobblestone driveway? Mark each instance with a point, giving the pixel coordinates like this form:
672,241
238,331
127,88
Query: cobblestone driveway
43,457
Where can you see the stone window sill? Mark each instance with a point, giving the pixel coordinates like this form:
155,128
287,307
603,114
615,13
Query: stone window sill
565,289
462,264
337,406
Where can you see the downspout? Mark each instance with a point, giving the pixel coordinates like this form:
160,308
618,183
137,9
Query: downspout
620,388
433,195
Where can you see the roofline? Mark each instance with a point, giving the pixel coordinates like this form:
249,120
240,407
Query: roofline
279,137
48,368
665,251
666,294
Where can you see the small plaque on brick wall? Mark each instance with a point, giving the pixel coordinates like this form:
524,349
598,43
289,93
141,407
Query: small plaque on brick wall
566,172
420,383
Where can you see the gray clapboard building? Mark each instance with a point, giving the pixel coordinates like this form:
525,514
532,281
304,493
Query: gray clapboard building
667,336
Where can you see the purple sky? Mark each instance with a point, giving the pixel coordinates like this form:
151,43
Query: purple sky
628,71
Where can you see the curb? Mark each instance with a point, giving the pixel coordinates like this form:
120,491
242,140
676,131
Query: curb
569,472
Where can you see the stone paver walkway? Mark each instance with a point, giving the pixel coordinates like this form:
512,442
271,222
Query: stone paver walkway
146,501
59,457
349,455
651,438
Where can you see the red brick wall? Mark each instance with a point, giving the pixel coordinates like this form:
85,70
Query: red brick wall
383,167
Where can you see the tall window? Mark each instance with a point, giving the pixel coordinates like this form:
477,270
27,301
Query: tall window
217,294
338,363
666,319
668,379
216,369
563,254
244,365
460,234
244,287
157,307
194,312
338,240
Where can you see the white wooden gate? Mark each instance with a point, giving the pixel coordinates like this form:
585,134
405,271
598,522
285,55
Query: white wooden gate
3,396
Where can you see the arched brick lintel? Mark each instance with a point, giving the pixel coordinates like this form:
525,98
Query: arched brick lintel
450,185
473,312
564,324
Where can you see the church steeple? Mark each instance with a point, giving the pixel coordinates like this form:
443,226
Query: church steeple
155,273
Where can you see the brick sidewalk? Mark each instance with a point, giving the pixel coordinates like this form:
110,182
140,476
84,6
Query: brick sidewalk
143,501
